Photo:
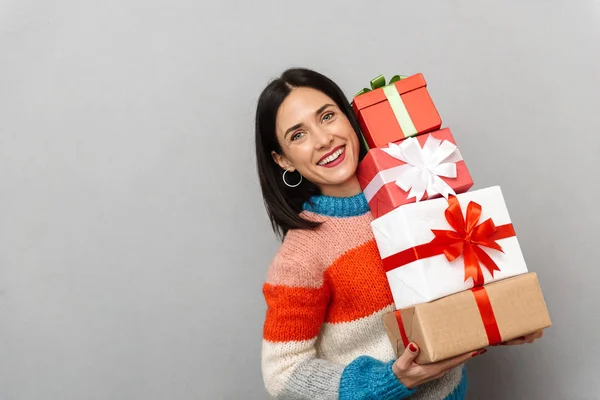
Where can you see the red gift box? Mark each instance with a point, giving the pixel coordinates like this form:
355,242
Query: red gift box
415,169
397,111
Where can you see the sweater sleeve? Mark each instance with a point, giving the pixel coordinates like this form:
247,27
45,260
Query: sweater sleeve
290,365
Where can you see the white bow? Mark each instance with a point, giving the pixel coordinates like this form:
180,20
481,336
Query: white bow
423,169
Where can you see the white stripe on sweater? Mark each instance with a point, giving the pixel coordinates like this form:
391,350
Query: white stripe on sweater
345,341
296,368
280,359
339,343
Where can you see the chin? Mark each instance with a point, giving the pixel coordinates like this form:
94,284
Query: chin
338,175
339,178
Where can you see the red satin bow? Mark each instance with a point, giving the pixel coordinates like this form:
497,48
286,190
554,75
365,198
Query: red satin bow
465,239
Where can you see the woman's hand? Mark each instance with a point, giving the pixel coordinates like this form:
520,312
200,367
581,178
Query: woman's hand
411,374
532,337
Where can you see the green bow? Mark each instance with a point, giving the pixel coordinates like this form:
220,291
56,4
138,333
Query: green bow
395,101
379,82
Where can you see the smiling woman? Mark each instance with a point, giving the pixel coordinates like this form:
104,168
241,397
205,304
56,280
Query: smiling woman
326,288
323,146
301,120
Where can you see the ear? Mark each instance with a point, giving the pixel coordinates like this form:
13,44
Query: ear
282,161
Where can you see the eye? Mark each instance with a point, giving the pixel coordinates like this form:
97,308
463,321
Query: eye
327,116
296,136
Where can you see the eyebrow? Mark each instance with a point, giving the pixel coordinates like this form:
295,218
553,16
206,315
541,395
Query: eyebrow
319,111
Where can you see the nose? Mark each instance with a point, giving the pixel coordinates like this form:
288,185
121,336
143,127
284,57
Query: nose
323,138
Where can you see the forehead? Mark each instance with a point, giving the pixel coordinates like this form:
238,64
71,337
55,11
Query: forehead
299,105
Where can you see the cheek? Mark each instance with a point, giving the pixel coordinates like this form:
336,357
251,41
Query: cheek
300,155
350,133
356,143
354,140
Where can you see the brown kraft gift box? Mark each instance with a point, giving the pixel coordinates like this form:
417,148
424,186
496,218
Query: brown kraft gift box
454,325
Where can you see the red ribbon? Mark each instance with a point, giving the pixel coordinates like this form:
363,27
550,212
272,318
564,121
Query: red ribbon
485,310
487,315
402,329
465,240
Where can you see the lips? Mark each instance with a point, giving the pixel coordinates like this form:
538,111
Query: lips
332,152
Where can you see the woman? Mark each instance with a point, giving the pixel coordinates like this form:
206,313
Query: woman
326,289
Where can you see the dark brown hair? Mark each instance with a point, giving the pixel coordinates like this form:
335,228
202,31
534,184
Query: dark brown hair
284,204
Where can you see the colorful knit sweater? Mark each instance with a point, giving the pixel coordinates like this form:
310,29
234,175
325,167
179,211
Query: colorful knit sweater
326,292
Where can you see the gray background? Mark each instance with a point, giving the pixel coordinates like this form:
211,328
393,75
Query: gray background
133,239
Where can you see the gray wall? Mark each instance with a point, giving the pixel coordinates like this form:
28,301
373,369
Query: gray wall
133,240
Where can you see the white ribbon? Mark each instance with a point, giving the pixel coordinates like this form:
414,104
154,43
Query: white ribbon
422,171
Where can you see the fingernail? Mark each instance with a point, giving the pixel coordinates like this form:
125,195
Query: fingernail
477,353
412,347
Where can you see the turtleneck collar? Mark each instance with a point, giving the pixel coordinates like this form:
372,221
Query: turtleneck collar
338,206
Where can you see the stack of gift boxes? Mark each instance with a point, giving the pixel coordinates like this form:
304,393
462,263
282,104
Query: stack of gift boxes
452,258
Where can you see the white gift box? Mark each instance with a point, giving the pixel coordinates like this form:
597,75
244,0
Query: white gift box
426,279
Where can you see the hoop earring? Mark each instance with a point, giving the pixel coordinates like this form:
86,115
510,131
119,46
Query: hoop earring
287,184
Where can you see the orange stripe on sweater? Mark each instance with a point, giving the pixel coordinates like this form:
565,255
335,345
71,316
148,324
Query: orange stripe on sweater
305,254
293,313
358,285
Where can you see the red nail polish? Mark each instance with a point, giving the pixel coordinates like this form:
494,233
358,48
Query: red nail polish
475,354
483,351
412,347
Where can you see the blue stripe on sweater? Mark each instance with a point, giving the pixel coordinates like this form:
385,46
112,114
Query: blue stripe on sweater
366,378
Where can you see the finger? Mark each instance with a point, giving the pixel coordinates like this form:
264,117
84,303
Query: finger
514,342
533,337
438,376
538,335
524,339
445,365
408,356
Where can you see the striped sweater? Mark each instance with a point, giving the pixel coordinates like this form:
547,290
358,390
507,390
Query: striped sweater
326,292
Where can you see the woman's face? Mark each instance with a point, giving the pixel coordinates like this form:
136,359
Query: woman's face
318,141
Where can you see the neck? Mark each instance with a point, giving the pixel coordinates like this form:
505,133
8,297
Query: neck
347,189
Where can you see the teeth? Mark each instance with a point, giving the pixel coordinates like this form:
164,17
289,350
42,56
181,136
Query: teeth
332,157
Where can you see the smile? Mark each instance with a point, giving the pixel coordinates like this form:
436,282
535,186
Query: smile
332,157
